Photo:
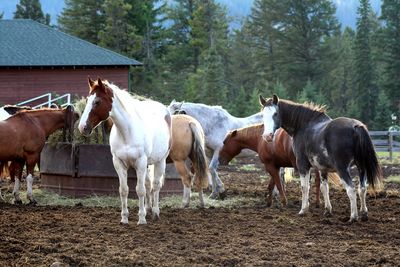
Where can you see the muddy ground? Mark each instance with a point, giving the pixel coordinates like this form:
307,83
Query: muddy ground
243,236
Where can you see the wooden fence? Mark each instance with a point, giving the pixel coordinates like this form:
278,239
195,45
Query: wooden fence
386,141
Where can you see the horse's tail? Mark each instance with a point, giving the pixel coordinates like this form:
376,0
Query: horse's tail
198,157
365,156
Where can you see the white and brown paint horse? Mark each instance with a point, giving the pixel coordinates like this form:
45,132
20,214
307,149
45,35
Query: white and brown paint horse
327,145
141,136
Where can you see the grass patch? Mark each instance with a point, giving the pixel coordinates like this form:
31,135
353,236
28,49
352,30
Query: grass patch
48,198
383,157
248,167
394,179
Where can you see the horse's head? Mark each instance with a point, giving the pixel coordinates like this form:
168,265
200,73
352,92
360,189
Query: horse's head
271,117
98,106
176,108
230,149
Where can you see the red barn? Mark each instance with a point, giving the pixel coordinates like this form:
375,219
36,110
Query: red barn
37,59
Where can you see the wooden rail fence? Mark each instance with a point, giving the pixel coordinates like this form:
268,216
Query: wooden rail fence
386,141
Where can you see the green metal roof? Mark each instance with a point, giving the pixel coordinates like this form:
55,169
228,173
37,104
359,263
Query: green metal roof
27,43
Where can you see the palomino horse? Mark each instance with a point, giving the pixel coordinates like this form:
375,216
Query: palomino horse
188,142
216,122
326,144
141,136
274,155
22,137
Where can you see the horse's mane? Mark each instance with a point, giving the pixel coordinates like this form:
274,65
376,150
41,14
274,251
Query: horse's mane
28,114
305,112
252,131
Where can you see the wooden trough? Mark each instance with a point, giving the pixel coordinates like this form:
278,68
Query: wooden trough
80,170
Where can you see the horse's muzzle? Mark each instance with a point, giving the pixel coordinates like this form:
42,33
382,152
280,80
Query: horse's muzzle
222,161
85,130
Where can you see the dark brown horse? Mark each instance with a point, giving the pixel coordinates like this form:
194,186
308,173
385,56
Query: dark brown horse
274,155
22,138
326,144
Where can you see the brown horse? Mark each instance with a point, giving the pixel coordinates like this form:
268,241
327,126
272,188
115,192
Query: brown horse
22,138
274,155
188,143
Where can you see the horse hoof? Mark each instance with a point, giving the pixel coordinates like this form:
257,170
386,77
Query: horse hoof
32,202
352,220
214,195
222,195
364,216
302,213
317,205
124,221
141,222
327,214
18,202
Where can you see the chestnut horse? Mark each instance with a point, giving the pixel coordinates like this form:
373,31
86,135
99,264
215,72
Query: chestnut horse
326,144
22,137
188,142
141,136
274,155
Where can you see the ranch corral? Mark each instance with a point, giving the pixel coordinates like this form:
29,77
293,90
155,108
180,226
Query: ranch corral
243,233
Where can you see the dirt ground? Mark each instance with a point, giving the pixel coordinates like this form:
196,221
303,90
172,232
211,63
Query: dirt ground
244,236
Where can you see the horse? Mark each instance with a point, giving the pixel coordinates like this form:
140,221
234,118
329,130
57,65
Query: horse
22,137
188,142
274,155
141,136
327,145
216,122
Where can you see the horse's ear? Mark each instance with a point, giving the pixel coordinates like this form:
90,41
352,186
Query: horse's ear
100,83
90,82
172,102
233,133
275,99
262,101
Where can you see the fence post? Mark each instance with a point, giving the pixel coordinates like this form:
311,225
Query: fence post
390,145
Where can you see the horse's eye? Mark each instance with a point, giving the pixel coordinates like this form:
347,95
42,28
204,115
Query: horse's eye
96,102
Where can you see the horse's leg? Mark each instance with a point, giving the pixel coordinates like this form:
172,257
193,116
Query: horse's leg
217,185
318,188
149,198
122,172
270,188
16,173
305,190
30,165
325,193
274,171
362,193
351,192
186,181
159,172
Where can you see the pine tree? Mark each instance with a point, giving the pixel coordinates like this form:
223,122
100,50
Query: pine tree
382,119
1,15
366,88
83,19
118,35
31,9
391,56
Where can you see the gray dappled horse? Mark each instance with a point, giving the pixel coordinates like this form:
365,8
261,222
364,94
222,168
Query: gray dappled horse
216,123
327,145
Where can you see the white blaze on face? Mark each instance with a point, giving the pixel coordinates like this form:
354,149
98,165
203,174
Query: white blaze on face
85,114
268,120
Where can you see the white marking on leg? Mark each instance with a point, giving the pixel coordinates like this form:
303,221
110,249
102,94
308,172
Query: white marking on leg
201,198
141,172
351,193
17,184
149,196
29,183
186,196
362,192
305,188
325,192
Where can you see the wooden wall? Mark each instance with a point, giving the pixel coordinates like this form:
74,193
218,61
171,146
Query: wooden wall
17,85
